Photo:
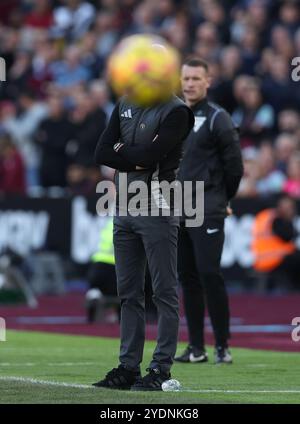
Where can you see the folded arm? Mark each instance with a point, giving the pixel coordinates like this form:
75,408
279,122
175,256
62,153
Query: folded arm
172,131
105,154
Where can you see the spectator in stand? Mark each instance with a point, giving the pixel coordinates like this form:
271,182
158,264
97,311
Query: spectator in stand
292,185
270,180
214,12
106,33
22,127
143,19
231,62
277,85
176,32
285,147
250,46
45,52
73,19
71,72
254,117
164,10
289,15
257,15
12,170
18,74
89,56
237,24
207,43
40,15
52,137
248,182
240,85
99,95
124,13
289,121
266,61
88,124
7,7
282,42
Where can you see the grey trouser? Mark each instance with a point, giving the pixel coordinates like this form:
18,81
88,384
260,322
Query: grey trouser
137,240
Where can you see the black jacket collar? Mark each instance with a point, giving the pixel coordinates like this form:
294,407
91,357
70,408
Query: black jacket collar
199,105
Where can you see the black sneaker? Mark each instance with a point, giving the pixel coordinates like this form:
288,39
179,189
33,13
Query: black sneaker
119,378
193,355
222,355
152,381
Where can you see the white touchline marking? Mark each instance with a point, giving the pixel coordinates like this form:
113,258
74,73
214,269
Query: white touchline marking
239,391
70,364
25,364
85,386
49,364
46,382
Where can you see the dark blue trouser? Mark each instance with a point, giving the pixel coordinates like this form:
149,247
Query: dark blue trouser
199,257
137,240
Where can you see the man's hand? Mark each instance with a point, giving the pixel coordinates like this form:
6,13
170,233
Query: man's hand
118,146
229,211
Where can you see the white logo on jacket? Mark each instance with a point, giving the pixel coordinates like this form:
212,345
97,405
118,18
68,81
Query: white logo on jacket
126,114
212,230
199,121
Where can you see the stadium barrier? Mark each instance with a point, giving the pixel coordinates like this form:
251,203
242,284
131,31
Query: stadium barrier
71,227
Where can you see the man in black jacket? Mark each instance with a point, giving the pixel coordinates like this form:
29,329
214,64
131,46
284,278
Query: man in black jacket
211,154
145,145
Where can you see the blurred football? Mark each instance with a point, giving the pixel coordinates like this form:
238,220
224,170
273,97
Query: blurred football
145,68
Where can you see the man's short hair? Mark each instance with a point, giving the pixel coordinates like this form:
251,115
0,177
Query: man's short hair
196,61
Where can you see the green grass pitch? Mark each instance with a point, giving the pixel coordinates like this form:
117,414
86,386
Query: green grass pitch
50,368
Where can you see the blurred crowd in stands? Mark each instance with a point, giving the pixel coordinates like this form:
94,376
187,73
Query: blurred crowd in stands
55,101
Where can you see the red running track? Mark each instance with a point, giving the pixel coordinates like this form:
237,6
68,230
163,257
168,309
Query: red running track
257,322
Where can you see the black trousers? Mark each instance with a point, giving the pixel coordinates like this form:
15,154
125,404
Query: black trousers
199,256
138,240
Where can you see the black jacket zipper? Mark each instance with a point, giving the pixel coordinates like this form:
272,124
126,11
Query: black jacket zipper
136,124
